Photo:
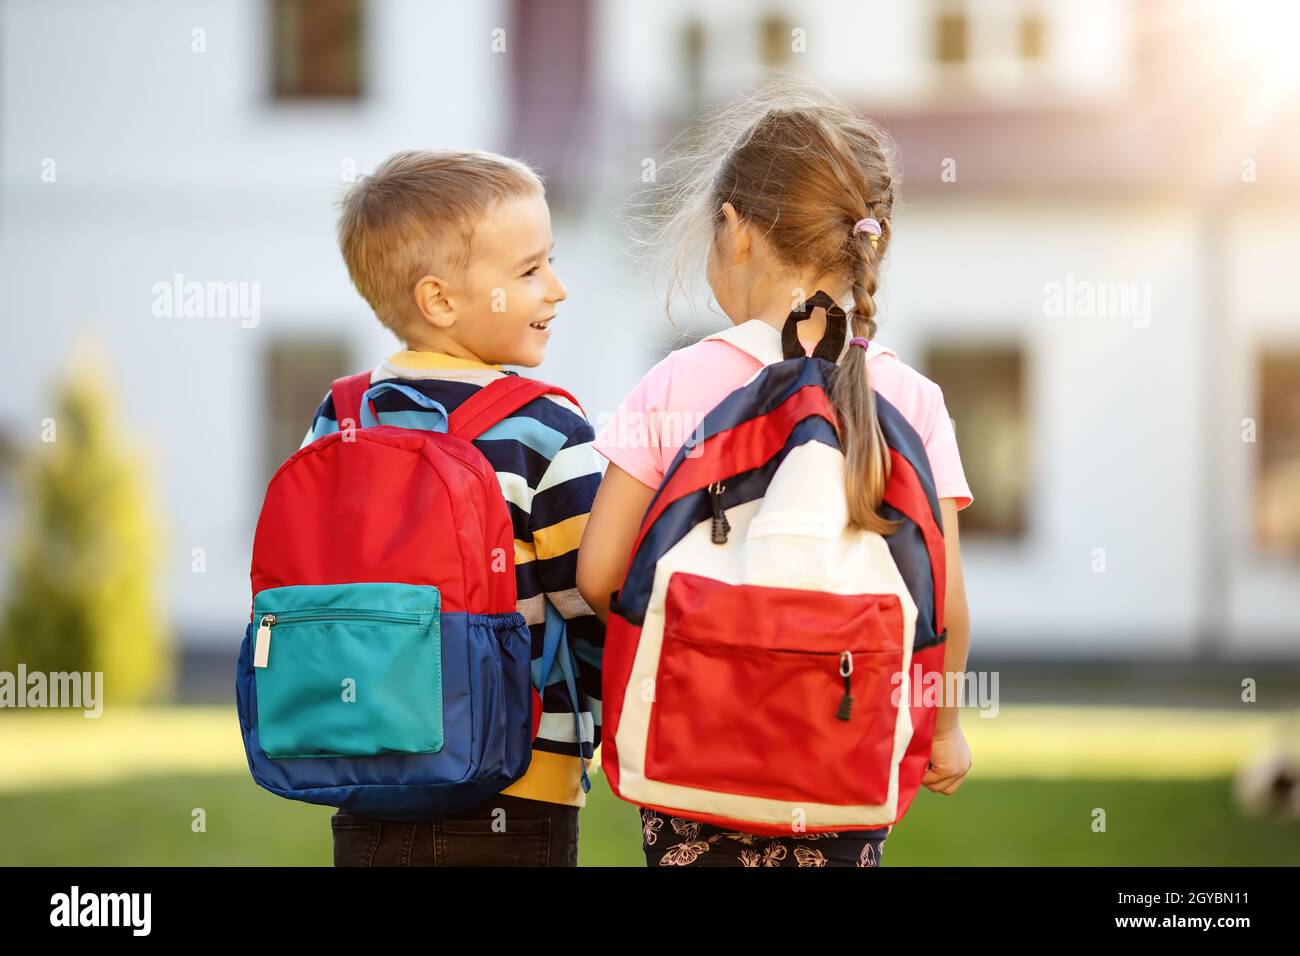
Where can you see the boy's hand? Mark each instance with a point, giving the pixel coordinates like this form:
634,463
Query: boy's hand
950,760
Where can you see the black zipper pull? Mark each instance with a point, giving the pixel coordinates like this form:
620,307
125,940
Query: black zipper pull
721,526
846,702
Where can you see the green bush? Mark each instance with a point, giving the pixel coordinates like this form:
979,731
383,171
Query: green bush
82,589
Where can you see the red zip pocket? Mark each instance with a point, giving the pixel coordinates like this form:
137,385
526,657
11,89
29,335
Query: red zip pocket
779,693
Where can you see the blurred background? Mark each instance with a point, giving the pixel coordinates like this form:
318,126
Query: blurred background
1093,255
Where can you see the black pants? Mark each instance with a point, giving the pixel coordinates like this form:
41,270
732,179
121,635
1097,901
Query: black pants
674,841
504,831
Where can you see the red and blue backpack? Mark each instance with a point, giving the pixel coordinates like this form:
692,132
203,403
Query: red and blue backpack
385,669
762,658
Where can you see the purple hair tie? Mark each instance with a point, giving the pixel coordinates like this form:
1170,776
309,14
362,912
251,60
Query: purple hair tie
860,342
867,225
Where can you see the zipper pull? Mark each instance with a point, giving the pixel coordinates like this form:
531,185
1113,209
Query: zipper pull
846,702
262,647
721,526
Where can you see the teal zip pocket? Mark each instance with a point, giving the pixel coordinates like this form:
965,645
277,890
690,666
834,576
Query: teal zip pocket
348,670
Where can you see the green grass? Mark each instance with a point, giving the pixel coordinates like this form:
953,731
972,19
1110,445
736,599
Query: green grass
988,822
120,790
1028,822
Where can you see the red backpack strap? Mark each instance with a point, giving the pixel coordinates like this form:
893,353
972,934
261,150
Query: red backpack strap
498,400
347,392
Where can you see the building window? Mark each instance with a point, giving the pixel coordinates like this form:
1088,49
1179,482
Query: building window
775,41
1033,37
296,375
317,48
692,49
551,70
952,38
983,387
1277,480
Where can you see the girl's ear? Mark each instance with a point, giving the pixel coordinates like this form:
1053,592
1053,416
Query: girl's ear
736,233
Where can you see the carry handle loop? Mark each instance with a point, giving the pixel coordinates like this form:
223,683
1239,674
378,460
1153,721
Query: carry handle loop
486,407
832,342
369,418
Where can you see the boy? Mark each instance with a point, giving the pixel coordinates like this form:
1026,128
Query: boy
452,251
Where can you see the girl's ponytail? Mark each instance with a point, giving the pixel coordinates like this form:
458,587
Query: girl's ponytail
866,454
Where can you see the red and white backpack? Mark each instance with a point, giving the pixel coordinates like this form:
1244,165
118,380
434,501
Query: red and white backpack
761,658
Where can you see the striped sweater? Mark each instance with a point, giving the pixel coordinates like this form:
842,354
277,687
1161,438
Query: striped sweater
543,458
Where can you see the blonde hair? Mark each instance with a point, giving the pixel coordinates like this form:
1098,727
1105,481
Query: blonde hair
415,216
802,168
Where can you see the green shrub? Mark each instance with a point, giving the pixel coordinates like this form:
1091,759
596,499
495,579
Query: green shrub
82,586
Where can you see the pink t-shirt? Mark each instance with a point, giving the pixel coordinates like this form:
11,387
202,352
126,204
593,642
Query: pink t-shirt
655,420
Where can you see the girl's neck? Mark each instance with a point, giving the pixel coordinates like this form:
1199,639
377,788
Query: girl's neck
774,309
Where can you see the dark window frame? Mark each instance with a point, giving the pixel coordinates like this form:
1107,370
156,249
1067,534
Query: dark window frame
990,517
310,30
1275,399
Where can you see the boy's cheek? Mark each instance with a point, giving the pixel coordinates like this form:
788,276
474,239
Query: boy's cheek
533,348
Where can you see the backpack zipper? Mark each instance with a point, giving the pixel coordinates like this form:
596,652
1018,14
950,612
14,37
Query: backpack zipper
845,670
721,526
262,646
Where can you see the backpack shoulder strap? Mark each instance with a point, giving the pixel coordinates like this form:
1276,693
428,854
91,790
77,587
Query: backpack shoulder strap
498,400
347,393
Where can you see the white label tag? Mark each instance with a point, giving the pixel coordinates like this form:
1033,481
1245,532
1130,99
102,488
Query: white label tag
262,646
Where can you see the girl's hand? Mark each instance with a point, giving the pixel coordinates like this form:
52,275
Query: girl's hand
621,503
950,761
950,755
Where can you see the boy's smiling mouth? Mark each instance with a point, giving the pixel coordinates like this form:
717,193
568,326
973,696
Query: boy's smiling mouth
541,325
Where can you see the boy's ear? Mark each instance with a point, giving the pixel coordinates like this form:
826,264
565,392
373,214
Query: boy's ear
433,302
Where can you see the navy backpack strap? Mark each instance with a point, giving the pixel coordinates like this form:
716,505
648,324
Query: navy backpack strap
555,644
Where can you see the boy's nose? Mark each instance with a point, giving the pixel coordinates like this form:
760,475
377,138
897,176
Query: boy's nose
558,292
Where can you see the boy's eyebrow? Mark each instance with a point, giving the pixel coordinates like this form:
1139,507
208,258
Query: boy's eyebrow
536,255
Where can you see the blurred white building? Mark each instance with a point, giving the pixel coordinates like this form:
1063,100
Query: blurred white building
1091,256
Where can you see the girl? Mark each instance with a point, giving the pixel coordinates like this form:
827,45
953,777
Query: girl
794,195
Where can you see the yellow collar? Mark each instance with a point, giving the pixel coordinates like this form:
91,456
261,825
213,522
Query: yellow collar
409,358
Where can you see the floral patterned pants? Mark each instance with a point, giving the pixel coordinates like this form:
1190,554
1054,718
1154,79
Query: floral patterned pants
674,841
